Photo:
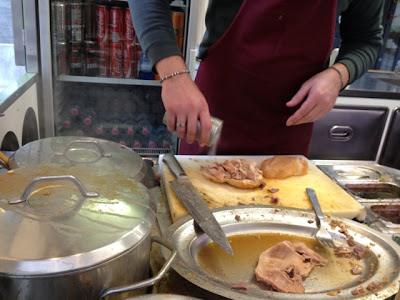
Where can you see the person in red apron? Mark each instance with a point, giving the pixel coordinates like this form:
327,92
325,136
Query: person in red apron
250,85
264,78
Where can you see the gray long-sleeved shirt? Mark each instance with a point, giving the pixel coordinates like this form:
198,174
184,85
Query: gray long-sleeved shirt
360,29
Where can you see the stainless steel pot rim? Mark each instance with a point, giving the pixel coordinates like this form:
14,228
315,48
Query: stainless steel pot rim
292,221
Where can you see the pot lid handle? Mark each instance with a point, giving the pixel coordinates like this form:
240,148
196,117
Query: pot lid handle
96,143
78,184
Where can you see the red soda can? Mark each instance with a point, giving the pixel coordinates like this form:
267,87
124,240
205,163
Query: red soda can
116,60
104,60
75,58
76,21
62,61
102,22
130,61
129,31
116,24
89,21
138,52
59,21
91,59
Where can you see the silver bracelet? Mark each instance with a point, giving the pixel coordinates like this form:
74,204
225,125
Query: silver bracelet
340,75
174,74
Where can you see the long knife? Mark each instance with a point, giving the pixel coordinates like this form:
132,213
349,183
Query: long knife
195,205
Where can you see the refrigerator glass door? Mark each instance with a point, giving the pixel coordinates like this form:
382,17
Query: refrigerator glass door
102,84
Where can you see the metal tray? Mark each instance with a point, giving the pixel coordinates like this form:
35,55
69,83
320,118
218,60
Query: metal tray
372,185
366,181
385,260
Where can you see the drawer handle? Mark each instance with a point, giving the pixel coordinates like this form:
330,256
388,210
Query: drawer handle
341,133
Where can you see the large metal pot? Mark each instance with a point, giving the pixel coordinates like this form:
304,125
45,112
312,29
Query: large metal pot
73,150
70,232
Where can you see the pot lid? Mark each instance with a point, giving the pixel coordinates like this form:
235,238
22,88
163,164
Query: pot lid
75,150
57,229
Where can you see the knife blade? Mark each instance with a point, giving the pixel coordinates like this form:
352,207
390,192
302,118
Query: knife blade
195,204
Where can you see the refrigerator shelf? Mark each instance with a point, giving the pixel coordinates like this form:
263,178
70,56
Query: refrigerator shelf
106,80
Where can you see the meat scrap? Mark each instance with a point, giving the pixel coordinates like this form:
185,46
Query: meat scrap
240,286
274,200
374,286
358,290
285,265
353,250
356,270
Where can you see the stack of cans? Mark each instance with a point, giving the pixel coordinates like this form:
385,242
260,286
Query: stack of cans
93,39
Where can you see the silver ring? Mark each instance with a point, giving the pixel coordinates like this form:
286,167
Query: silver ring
183,125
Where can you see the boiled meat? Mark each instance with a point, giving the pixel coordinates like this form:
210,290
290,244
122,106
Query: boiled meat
285,265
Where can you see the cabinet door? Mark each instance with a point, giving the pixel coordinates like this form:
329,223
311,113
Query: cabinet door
391,149
348,132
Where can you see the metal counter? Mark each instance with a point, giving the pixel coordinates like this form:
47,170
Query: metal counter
374,85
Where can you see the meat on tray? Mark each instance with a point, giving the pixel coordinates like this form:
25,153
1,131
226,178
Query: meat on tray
285,265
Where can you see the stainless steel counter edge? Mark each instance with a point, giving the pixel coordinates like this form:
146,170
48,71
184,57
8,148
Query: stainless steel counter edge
15,90
374,85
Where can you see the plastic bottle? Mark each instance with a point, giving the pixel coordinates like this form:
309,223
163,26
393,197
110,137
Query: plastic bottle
128,129
144,126
76,103
139,141
102,106
115,134
164,137
68,122
130,125
100,129
80,131
152,141
145,71
88,117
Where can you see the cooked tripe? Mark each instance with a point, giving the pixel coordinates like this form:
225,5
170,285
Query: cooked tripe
240,173
281,166
285,265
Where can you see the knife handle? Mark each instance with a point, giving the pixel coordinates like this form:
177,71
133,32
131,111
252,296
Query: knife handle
174,165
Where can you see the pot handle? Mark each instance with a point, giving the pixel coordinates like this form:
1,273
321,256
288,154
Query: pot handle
96,143
78,184
152,280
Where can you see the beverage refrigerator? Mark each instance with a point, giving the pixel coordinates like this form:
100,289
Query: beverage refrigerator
97,81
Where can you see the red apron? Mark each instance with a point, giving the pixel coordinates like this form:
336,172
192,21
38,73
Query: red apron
270,49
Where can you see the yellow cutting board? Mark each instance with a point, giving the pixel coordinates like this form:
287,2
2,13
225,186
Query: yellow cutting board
291,191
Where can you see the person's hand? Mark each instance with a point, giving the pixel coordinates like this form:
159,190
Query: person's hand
320,93
184,103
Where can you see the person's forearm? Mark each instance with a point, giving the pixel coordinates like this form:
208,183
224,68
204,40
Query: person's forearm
361,34
153,25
